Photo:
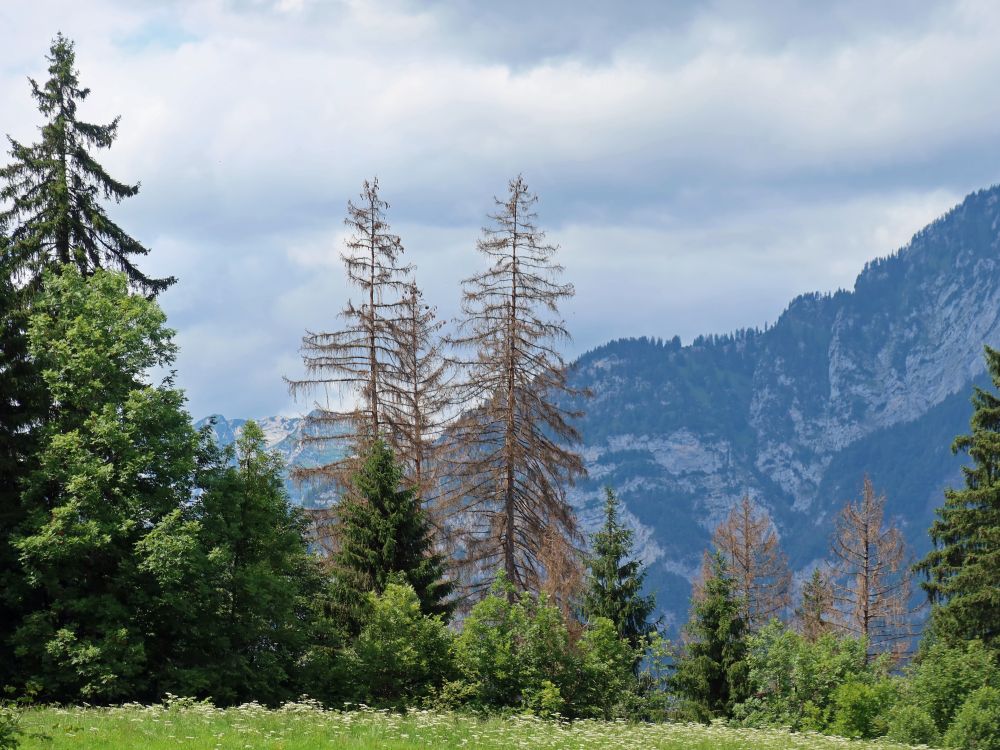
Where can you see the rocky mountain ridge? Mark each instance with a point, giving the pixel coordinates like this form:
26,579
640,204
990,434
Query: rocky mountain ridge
874,380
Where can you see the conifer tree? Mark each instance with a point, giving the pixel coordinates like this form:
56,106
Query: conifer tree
711,674
237,584
816,613
748,541
872,585
513,451
361,360
614,585
382,533
963,569
53,188
22,399
415,406
116,457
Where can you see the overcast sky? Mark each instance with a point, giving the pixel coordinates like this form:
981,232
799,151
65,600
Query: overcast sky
699,163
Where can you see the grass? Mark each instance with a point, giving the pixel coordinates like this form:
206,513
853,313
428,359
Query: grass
304,726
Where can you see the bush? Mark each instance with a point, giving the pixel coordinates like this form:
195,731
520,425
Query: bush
509,649
911,725
977,723
793,682
860,709
607,679
944,677
401,654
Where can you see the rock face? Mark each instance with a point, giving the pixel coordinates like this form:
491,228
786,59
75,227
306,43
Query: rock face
876,380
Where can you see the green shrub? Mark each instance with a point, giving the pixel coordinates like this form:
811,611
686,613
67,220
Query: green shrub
911,725
401,655
977,723
793,682
607,679
509,647
860,709
944,677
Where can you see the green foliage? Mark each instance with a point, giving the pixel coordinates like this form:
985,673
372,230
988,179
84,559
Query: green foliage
509,646
22,405
10,726
944,676
963,569
237,583
861,708
401,655
383,532
115,459
607,662
711,676
614,584
911,725
52,188
977,723
793,682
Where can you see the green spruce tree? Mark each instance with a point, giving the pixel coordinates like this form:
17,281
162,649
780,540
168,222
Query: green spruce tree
384,533
237,582
53,188
963,569
22,398
116,456
615,580
711,674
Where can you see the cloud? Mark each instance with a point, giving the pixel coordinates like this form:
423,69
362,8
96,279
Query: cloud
699,162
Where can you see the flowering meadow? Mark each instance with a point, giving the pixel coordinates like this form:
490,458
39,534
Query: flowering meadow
306,726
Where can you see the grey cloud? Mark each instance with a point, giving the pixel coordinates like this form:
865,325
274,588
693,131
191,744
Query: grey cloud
686,154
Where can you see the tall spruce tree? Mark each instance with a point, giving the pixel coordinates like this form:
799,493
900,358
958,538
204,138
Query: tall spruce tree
382,533
22,400
515,446
236,582
711,674
963,569
116,457
53,188
615,580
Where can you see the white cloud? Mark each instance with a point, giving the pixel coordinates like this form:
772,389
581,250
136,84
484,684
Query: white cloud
699,167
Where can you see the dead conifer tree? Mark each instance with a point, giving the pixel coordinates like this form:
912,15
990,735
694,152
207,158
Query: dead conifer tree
416,405
748,542
512,456
361,360
873,582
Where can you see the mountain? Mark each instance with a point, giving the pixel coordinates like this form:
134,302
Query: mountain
288,436
874,380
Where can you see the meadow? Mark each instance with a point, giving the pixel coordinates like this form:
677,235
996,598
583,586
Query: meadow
305,726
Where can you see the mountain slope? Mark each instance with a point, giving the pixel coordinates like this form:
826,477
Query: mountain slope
873,380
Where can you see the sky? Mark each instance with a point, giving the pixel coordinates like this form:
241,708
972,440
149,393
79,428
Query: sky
699,164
